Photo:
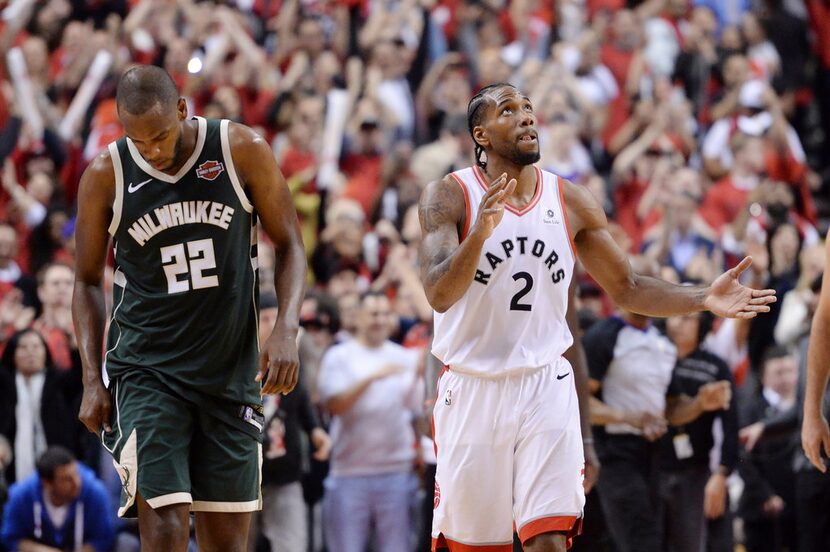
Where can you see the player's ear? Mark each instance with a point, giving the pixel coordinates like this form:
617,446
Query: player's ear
480,136
181,109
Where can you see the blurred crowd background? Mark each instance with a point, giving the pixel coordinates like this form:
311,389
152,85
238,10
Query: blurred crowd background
700,125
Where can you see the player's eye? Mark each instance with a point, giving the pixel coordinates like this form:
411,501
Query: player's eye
506,111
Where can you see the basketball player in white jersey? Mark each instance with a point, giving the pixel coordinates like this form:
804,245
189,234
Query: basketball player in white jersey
499,245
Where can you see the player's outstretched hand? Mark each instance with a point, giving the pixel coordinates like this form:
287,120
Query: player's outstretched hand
815,433
491,208
96,406
728,298
279,365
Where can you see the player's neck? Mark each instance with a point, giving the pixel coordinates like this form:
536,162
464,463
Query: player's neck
525,176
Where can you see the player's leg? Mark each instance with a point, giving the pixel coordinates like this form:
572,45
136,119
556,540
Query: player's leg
222,531
149,442
548,461
547,542
164,528
225,465
474,430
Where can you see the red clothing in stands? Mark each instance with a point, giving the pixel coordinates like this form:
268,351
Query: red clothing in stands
722,203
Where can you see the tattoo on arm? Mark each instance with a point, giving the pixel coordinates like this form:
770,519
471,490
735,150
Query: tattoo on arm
439,222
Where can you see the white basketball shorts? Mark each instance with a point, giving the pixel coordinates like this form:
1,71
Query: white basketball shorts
509,458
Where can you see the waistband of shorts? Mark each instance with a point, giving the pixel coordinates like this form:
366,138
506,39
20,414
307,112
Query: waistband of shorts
507,374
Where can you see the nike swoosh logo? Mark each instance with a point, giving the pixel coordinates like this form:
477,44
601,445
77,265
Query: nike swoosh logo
133,187
563,376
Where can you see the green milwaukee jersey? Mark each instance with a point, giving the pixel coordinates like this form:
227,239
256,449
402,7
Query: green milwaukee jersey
185,294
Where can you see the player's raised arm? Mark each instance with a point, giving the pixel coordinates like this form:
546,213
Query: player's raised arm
447,267
95,199
814,430
609,265
272,201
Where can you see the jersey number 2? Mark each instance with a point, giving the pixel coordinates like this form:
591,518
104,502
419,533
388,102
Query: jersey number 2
199,257
528,280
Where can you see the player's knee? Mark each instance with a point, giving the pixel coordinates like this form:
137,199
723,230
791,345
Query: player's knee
546,542
168,531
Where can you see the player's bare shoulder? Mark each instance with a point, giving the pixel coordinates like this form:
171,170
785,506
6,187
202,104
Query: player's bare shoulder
252,157
584,210
442,203
247,146
98,180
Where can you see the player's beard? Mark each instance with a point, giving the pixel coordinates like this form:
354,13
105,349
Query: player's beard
177,151
522,158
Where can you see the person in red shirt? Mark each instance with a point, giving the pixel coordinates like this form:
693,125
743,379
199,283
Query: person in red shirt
728,196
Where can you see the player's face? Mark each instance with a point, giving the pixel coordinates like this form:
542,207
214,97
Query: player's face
157,134
510,125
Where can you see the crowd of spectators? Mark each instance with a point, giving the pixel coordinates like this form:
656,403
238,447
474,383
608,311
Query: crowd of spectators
701,126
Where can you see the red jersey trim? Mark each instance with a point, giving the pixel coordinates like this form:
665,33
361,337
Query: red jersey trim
537,195
565,215
570,525
454,546
467,208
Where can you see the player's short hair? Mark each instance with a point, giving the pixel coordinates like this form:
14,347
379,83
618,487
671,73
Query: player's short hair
143,87
475,115
51,460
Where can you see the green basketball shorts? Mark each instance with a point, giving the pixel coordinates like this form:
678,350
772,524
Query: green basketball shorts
176,446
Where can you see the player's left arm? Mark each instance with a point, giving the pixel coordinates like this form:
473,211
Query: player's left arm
814,429
609,266
272,202
576,356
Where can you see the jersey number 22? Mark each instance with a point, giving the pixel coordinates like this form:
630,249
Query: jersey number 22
191,259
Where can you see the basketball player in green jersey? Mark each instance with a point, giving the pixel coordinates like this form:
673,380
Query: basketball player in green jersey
180,197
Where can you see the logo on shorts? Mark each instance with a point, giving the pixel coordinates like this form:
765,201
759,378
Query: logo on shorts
448,397
209,170
437,500
125,483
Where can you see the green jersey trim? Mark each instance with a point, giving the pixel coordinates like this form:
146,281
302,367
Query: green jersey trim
164,177
226,153
119,188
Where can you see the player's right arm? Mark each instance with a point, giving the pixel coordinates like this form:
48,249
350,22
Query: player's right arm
447,266
814,429
95,199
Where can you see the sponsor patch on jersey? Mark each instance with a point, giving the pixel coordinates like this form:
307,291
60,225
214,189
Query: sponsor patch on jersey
550,217
209,170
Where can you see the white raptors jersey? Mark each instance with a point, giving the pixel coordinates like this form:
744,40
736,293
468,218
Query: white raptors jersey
513,314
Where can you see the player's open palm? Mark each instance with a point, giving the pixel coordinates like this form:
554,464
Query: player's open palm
491,208
96,406
279,364
728,298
